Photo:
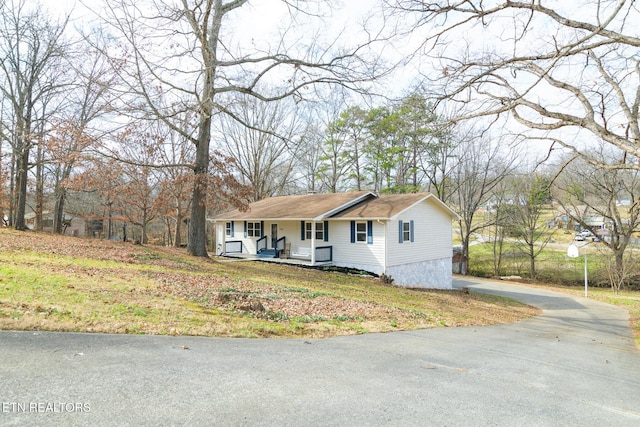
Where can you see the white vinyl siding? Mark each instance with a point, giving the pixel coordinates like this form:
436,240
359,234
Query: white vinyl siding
248,236
368,257
288,229
432,236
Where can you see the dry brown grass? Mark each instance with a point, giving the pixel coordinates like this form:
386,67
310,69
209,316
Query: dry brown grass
67,284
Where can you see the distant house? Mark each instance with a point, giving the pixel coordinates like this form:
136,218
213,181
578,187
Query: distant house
405,236
73,226
570,219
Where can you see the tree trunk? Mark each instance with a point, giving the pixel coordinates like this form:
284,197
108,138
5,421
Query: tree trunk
620,262
177,239
58,211
2,184
145,237
197,244
532,262
12,189
39,224
61,195
21,190
465,236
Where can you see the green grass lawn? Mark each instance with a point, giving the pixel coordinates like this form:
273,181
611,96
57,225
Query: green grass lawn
60,283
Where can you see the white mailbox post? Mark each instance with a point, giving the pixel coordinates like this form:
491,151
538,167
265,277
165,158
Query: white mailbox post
572,252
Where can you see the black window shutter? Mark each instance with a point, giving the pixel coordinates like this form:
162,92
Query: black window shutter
411,230
245,229
370,232
353,231
326,231
302,230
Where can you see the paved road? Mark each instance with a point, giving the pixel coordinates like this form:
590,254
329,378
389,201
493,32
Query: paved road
573,365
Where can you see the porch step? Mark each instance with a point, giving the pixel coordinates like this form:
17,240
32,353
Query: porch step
267,253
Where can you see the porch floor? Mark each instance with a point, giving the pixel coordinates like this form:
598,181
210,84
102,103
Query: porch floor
288,261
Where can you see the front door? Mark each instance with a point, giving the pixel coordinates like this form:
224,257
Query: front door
274,235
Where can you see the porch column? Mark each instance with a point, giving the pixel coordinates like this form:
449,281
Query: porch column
221,236
313,243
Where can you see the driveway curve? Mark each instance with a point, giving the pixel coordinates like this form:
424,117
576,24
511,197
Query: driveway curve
575,364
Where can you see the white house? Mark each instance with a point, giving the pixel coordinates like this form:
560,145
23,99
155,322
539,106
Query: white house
405,236
72,226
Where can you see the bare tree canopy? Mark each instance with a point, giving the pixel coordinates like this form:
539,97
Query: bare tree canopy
568,72
194,55
603,201
32,48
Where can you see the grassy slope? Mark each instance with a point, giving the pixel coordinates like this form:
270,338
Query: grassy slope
67,284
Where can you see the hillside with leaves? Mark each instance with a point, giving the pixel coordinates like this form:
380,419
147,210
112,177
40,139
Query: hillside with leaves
61,283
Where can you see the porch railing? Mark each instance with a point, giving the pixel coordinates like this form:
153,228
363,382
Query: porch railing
233,247
324,253
280,243
261,244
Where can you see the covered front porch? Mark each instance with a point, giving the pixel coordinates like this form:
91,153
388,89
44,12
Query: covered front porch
288,261
284,241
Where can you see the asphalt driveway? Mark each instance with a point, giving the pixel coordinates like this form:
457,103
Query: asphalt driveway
576,364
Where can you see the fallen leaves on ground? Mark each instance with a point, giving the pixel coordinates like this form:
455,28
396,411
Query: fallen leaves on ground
102,286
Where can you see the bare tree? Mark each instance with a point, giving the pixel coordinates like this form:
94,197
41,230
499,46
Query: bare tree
138,193
86,100
265,159
481,166
309,160
567,72
609,195
176,183
620,276
498,225
31,51
531,197
191,52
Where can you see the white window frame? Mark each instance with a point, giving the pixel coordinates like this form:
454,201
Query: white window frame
227,229
253,229
406,231
361,235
